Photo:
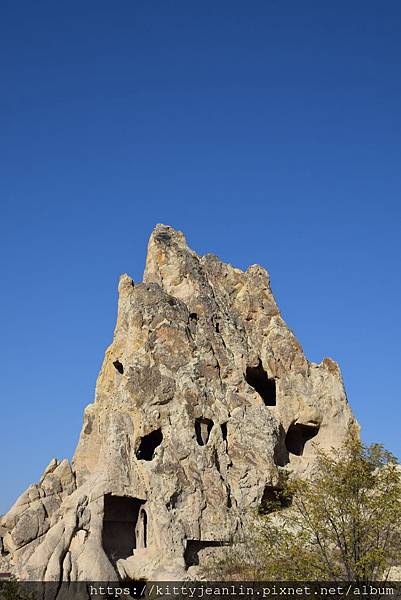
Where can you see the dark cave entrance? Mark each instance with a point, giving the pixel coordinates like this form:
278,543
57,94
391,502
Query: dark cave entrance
148,445
118,366
123,531
297,436
257,378
274,498
224,431
203,427
193,547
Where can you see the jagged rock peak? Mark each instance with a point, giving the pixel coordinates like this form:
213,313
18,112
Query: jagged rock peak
203,401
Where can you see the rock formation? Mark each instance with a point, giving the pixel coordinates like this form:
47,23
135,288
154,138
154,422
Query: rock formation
204,398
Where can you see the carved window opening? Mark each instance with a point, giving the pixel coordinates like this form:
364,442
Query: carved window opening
224,431
193,547
203,427
120,526
193,316
257,378
297,436
118,366
148,445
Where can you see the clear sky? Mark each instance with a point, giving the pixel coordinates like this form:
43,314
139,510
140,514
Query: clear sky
268,131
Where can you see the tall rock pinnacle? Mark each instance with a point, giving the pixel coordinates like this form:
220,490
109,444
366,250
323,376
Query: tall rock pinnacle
204,399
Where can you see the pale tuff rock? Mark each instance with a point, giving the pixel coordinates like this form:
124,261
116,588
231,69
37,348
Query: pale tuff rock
204,398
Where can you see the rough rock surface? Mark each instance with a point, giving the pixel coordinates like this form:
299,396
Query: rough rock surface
204,398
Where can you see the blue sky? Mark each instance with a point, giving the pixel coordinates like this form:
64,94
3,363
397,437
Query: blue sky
268,132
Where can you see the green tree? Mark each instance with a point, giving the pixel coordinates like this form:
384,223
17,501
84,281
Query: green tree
11,589
343,523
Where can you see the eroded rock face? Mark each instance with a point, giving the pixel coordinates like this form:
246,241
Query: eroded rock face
204,398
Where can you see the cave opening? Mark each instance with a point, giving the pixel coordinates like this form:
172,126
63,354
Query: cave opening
224,431
274,498
281,454
203,427
193,547
257,378
297,436
121,526
148,445
118,366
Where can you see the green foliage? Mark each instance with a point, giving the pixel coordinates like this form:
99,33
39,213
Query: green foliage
11,589
344,523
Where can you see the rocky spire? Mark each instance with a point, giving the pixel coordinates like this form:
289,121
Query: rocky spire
204,399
